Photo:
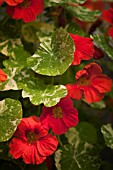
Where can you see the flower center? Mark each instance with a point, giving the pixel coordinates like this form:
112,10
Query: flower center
57,112
25,4
31,137
83,81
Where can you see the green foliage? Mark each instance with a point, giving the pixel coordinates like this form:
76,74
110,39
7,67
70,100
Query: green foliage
82,13
107,132
101,41
80,153
81,156
84,132
10,117
54,56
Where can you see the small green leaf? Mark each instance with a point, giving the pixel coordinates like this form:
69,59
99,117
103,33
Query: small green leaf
84,132
107,132
82,13
81,156
55,56
101,41
10,117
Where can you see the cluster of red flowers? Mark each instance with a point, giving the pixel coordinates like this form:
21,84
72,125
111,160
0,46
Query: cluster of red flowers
32,141
27,10
107,15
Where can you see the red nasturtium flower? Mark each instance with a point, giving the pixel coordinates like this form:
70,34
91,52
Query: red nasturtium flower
3,76
32,142
27,10
91,83
60,117
84,48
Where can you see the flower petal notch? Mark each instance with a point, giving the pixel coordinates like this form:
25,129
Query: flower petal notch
32,142
91,83
60,117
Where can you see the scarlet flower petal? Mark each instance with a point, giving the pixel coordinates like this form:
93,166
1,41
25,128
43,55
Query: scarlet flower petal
58,126
83,48
93,70
81,73
3,76
92,95
47,146
31,155
107,15
74,91
71,119
16,147
102,83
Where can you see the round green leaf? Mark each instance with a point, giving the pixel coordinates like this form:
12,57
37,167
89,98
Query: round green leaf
10,117
81,156
54,56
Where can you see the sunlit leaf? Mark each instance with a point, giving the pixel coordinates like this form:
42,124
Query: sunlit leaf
55,56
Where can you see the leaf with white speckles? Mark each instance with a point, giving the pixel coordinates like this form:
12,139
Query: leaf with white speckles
101,41
107,132
54,56
81,156
82,13
39,93
10,117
